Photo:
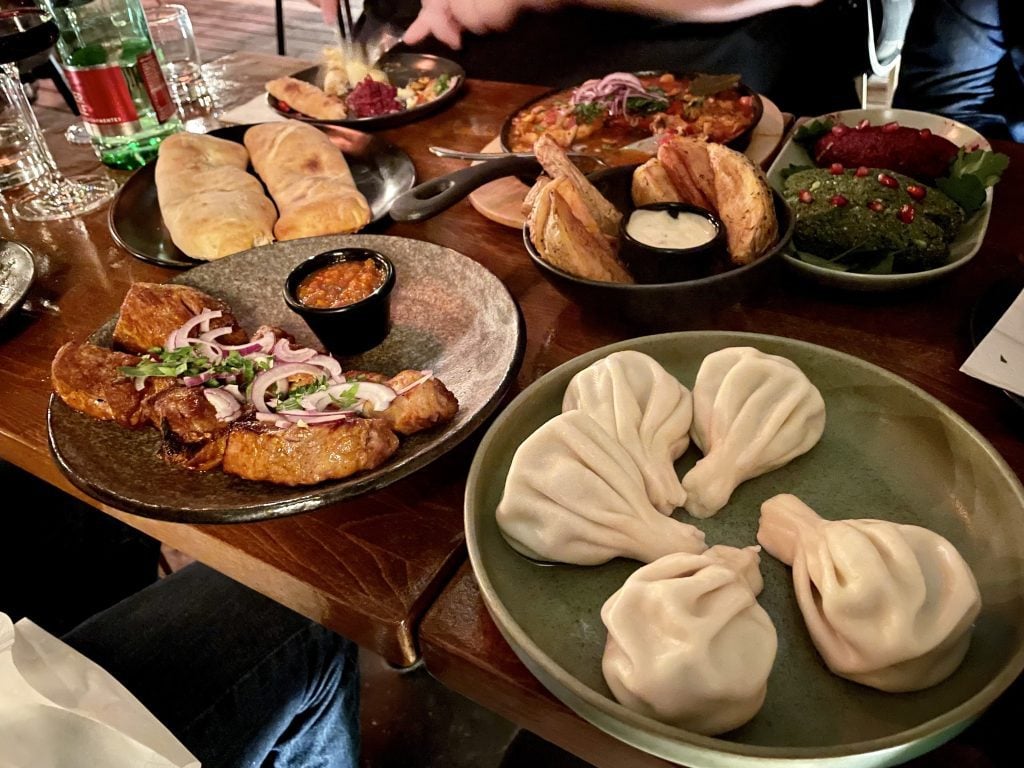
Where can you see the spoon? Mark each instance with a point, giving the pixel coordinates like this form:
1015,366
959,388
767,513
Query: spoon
458,153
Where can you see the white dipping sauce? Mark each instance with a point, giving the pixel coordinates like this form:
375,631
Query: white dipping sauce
670,229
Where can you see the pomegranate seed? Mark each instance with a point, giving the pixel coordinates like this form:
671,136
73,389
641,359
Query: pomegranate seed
924,133
836,169
916,191
746,101
888,181
806,197
906,213
890,127
877,206
862,172
838,201
863,124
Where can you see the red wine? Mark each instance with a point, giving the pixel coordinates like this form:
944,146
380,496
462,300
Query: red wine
25,32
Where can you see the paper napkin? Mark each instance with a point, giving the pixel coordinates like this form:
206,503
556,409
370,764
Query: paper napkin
999,358
58,708
256,110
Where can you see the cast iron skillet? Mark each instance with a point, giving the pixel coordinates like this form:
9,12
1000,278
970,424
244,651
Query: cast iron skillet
432,197
739,143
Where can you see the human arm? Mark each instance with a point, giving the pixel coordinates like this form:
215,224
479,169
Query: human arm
447,19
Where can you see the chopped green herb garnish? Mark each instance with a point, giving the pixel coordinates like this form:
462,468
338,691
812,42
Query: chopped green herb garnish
807,135
640,105
589,111
442,83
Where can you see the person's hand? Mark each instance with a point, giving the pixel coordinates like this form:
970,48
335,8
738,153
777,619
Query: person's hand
446,19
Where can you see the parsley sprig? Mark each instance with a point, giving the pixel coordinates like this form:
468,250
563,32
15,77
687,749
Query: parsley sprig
188,361
970,174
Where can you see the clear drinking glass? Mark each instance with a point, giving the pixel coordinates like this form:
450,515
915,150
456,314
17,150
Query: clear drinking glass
25,31
175,45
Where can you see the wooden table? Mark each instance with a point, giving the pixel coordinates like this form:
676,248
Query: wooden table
370,568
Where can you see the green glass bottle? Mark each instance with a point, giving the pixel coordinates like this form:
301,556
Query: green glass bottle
108,60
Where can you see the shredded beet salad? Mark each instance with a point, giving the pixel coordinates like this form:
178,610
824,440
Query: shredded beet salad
371,98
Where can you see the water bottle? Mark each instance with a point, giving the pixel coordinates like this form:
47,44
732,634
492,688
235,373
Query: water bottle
108,60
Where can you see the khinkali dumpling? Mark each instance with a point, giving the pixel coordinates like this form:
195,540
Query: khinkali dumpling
887,605
572,495
688,644
752,413
646,409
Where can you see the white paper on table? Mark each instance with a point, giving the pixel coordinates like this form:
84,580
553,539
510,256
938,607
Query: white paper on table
256,110
999,358
58,708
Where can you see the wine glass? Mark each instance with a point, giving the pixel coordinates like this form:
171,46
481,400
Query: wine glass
25,31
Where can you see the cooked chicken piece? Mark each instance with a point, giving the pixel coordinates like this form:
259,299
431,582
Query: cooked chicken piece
185,413
151,311
426,405
88,379
199,456
304,455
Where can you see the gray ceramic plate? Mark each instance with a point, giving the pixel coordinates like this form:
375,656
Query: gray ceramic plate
16,273
449,314
381,171
889,451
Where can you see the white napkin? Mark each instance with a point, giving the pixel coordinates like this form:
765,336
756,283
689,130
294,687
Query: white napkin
57,708
999,358
256,110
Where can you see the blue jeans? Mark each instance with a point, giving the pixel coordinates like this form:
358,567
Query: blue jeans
965,59
238,678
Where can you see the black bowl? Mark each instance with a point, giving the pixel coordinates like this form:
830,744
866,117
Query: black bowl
663,306
738,142
653,264
353,328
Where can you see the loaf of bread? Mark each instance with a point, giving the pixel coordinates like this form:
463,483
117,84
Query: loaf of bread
308,178
307,98
210,205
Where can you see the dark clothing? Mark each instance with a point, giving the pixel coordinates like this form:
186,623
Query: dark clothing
965,59
804,59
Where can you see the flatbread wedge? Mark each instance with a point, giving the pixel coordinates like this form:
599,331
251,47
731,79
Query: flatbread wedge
652,185
557,165
748,212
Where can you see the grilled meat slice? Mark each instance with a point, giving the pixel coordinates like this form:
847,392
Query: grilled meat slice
426,405
200,456
185,413
86,377
304,455
151,311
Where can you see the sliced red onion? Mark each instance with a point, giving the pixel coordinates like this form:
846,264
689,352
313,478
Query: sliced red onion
284,352
427,375
199,379
243,349
278,373
216,333
613,90
139,382
379,396
227,408
235,392
178,338
329,364
262,343
210,349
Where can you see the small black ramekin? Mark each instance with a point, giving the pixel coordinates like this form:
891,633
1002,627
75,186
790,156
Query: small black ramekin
652,265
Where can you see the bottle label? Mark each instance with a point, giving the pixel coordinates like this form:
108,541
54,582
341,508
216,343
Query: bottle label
102,94
156,87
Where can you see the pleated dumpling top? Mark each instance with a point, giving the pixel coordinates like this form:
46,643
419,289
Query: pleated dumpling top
887,605
573,495
688,644
752,413
646,409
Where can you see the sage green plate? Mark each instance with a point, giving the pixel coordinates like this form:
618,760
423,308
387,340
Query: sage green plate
889,451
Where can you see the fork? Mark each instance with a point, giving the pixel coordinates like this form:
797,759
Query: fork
459,154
